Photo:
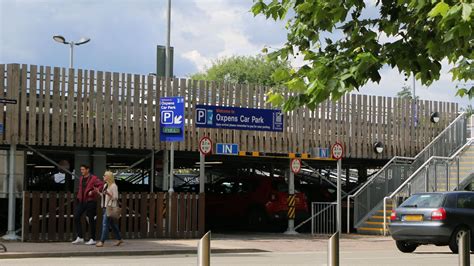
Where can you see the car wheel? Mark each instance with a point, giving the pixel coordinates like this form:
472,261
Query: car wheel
406,247
453,243
257,219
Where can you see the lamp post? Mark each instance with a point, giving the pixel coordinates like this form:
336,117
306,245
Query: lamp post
378,147
71,44
415,106
434,118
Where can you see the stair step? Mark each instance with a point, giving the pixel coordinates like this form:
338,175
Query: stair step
375,223
380,217
370,231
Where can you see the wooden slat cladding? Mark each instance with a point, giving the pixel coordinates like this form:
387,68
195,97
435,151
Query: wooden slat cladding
88,109
48,216
2,95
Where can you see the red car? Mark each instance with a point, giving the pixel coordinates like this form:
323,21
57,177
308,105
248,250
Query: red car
256,201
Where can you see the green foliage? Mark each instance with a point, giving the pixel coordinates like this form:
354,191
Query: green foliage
246,70
468,109
406,93
421,33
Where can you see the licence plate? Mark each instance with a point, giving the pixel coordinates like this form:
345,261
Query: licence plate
413,218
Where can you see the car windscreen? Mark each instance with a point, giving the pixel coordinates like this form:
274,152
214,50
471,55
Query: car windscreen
424,201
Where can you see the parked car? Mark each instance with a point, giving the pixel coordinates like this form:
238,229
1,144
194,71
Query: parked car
437,218
255,201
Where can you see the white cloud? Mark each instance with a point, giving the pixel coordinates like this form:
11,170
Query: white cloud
200,61
218,31
124,35
392,81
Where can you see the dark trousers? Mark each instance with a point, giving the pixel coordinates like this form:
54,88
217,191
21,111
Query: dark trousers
90,208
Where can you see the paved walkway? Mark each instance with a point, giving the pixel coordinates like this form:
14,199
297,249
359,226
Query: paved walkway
221,243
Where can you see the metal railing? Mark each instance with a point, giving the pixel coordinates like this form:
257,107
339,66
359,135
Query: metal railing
429,178
323,219
398,169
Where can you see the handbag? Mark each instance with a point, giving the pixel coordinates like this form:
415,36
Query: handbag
113,212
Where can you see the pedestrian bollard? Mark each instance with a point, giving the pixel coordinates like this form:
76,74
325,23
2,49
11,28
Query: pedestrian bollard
333,250
204,250
465,249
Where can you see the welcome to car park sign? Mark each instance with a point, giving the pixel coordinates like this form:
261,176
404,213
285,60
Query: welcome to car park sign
209,116
172,119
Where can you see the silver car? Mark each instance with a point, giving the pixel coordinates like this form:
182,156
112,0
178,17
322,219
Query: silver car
438,218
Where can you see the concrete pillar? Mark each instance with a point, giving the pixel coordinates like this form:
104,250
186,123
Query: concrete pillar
16,175
348,174
99,163
80,158
3,173
362,174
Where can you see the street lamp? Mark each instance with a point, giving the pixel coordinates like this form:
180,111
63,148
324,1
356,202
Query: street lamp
378,147
435,117
62,40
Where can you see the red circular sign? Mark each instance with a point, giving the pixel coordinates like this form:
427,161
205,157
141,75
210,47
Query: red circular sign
296,165
205,145
337,151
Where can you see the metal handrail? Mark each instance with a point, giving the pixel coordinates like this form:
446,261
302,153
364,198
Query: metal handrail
409,179
458,118
441,133
409,158
368,183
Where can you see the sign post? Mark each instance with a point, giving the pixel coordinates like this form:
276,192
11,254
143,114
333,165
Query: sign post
205,148
337,152
295,167
172,127
11,234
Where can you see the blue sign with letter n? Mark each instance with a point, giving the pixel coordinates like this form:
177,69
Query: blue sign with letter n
228,149
172,119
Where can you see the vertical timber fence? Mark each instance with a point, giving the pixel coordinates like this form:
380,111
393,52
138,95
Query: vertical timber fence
97,109
49,216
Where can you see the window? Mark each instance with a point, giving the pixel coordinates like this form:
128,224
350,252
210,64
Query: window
466,201
451,201
424,201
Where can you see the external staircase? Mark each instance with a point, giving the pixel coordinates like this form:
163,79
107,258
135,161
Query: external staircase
374,224
442,165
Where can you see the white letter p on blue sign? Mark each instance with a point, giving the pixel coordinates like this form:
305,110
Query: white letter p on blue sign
167,117
201,116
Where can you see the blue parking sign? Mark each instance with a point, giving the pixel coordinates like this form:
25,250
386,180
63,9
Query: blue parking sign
172,119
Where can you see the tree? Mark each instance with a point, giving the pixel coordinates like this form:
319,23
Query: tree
243,70
413,36
406,93
468,109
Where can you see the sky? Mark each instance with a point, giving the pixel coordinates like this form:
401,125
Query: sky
124,35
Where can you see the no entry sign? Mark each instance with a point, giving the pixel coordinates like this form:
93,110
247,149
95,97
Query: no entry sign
337,151
205,145
296,165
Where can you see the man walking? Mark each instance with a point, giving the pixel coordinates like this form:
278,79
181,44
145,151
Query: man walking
86,202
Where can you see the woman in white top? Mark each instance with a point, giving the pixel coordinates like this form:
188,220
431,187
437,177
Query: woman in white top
109,198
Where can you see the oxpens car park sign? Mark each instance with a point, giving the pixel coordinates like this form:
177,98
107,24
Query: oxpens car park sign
172,119
209,116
